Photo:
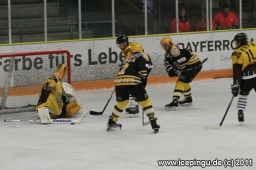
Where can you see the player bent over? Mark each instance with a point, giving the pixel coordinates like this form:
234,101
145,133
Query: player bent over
57,99
244,71
128,81
176,60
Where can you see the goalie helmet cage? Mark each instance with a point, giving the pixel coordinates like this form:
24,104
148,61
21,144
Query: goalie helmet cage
22,76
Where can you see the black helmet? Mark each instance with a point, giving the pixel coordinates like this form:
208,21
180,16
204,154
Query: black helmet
242,37
121,39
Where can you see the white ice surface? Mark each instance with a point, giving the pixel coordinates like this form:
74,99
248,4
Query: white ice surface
183,134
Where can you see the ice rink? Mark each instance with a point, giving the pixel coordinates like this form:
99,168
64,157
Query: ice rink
183,135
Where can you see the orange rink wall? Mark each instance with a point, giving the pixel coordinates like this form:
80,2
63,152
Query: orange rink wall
101,84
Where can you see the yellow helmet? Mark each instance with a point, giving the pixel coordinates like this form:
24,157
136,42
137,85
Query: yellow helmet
165,40
137,48
61,71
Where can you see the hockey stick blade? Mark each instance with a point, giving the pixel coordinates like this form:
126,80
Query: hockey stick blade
146,123
55,121
100,113
95,113
219,125
81,118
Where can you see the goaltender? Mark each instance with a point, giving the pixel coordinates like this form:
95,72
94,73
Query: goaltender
57,99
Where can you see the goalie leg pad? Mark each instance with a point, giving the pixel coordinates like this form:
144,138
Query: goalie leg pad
72,108
44,116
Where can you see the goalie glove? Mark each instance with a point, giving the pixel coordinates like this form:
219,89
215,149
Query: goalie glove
172,72
235,88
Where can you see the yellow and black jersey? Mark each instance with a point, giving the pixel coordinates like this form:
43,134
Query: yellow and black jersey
133,69
127,51
244,62
51,96
181,58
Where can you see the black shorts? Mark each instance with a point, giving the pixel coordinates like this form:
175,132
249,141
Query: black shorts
138,92
188,76
247,85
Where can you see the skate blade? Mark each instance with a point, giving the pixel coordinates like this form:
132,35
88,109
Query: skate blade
171,108
186,104
156,130
114,127
134,115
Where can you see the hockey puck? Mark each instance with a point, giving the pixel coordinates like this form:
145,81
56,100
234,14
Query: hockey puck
72,123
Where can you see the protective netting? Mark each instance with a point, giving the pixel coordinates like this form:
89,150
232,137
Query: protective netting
22,76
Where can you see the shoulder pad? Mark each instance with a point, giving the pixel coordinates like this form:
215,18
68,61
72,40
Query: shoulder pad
179,46
132,43
137,55
237,54
146,56
253,43
127,51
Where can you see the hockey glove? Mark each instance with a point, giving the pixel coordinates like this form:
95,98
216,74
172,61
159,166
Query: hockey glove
172,72
235,89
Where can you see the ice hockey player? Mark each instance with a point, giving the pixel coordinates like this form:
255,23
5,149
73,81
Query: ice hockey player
57,97
123,43
176,60
244,71
129,81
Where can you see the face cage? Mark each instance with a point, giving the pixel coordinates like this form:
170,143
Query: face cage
162,46
121,45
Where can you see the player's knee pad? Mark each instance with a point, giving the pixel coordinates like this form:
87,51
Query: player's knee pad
121,105
187,87
180,86
147,106
72,108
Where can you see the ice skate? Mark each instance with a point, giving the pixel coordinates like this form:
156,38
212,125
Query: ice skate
154,125
240,116
187,101
172,106
132,111
112,124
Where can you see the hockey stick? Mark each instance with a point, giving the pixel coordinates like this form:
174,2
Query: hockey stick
189,69
100,113
219,125
144,123
56,121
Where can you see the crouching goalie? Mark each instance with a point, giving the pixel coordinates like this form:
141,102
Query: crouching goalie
57,99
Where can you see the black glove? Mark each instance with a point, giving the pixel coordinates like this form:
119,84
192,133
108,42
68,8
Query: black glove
172,72
170,69
235,89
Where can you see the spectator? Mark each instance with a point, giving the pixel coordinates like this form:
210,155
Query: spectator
199,25
184,24
226,19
